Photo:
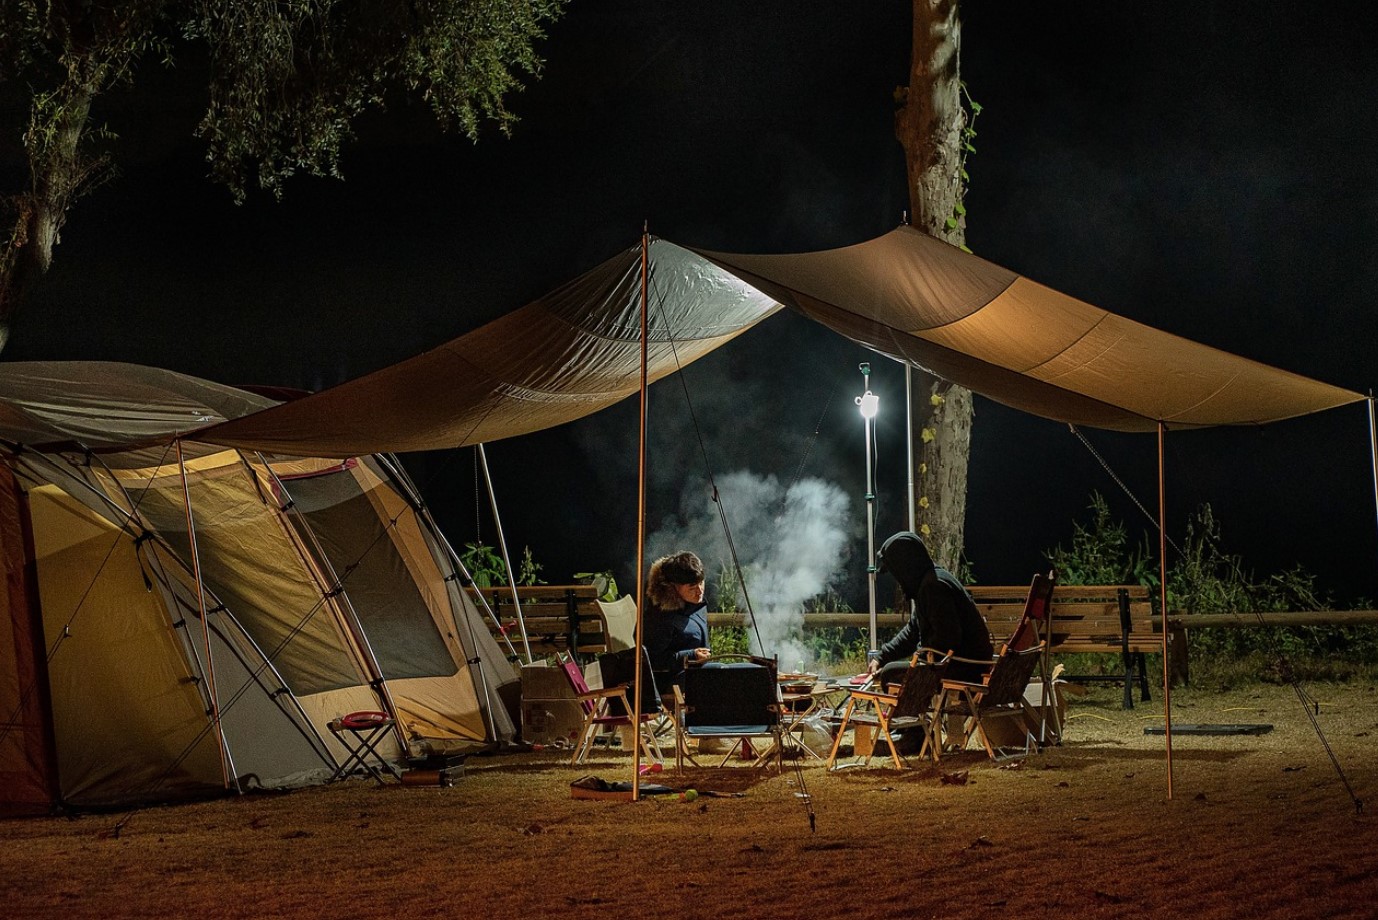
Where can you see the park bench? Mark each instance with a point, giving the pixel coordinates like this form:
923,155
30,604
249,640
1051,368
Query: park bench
558,618
1089,618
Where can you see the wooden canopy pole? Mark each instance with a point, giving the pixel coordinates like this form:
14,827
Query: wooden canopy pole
1162,601
637,644
1373,450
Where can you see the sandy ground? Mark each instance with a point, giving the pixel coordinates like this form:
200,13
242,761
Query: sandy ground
1257,826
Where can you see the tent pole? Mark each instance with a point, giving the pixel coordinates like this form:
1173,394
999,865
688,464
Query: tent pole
319,566
502,545
227,773
641,517
423,513
1162,603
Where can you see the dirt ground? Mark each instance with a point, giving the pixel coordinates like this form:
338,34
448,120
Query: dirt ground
1257,826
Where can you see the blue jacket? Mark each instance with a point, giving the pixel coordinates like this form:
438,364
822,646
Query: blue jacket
671,636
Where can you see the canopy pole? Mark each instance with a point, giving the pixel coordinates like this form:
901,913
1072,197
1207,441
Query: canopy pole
502,545
641,516
227,774
1162,602
1373,450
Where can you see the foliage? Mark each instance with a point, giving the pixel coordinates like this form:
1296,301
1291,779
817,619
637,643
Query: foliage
484,564
529,570
970,111
1206,579
604,581
285,82
1100,553
486,567
729,589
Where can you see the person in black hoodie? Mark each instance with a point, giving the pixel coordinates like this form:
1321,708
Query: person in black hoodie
942,614
676,618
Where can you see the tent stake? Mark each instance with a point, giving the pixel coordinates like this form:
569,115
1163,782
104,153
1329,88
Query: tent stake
1162,603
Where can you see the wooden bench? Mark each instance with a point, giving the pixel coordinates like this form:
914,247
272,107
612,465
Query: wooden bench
1089,618
558,618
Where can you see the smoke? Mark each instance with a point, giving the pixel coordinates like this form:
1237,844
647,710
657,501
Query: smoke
792,544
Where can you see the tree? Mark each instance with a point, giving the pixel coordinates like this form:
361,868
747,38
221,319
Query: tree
285,81
934,127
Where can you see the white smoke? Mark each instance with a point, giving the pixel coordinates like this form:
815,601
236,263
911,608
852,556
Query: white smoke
792,544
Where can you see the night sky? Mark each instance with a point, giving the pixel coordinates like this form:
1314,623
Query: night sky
1207,168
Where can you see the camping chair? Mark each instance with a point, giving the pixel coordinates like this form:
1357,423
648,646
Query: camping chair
910,706
729,696
999,695
604,709
1033,627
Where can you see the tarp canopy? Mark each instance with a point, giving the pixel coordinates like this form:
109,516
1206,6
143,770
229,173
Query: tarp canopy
904,295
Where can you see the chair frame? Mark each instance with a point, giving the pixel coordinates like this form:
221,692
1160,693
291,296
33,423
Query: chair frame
684,707
912,704
596,705
1037,620
1000,694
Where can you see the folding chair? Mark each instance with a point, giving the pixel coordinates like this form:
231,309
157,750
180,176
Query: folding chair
999,695
1033,627
605,709
910,706
732,696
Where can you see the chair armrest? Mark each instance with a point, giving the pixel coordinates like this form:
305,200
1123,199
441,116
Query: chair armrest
962,685
605,693
876,696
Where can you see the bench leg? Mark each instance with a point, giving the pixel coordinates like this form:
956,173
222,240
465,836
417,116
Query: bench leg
1144,695
1128,658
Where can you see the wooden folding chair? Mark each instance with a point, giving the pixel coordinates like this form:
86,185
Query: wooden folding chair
909,707
1000,695
605,709
1033,627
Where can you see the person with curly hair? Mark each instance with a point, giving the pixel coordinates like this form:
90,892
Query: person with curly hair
676,617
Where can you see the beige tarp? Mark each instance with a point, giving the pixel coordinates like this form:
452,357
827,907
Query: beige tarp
905,295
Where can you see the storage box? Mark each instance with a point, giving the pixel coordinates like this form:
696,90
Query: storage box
550,713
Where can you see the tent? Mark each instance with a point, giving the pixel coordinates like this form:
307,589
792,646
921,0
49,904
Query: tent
326,590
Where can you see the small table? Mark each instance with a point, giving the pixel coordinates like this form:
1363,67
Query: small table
360,733
797,705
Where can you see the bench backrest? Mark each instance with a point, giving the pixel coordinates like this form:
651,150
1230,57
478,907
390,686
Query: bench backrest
558,618
1080,615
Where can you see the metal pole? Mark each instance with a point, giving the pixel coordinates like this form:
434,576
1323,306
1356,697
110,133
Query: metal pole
641,516
1162,602
866,402
502,545
909,441
226,767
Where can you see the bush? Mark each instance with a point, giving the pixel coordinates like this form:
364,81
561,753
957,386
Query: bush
1207,579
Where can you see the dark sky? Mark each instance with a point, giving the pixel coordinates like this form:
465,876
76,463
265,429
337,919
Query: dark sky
1207,168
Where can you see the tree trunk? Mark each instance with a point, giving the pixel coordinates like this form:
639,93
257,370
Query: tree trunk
60,174
930,125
